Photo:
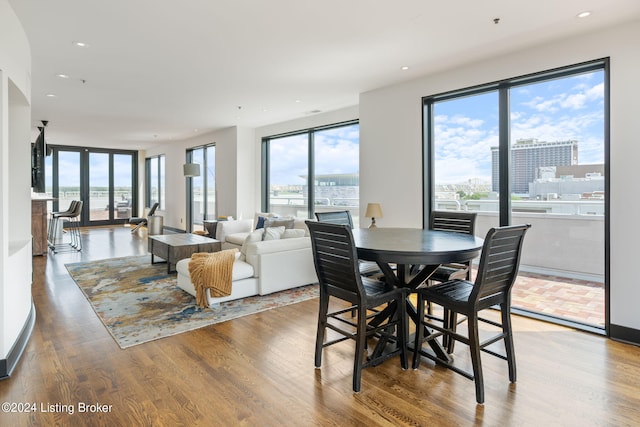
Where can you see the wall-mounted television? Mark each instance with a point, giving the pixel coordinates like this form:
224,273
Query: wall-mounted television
38,153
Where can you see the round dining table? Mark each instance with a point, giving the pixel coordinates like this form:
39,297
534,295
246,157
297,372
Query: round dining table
411,247
416,253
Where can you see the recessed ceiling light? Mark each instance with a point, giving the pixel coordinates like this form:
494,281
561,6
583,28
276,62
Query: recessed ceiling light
50,95
80,44
404,68
62,76
584,14
298,101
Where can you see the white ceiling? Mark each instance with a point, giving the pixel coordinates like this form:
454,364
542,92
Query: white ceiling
161,70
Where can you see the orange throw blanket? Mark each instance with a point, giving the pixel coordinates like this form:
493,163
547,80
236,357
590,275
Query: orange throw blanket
211,271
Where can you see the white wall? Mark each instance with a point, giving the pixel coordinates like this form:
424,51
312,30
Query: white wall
390,141
15,203
235,171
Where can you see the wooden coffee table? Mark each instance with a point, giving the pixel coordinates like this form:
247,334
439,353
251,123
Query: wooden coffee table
174,247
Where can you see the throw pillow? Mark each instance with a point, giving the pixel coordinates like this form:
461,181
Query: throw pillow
273,233
254,236
265,215
293,233
285,222
260,223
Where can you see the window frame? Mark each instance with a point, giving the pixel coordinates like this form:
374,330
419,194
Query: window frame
161,158
265,161
504,147
205,184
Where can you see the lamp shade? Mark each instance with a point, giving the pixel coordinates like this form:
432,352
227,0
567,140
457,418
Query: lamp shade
374,210
191,169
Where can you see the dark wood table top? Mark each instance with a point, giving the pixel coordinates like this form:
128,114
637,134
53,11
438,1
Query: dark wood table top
415,246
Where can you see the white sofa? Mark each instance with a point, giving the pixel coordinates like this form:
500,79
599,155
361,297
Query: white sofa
232,234
265,266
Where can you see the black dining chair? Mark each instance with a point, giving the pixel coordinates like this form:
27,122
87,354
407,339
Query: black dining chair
460,222
142,221
367,268
336,262
335,217
497,272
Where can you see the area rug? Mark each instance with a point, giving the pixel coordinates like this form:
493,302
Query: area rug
139,302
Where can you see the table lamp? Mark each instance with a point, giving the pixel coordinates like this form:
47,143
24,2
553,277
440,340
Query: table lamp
374,210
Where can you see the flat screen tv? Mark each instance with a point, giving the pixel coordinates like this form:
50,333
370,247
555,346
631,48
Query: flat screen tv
38,153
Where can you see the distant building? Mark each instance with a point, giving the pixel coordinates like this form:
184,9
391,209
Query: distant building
577,182
527,156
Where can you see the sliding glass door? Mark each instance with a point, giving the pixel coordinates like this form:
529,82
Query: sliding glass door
105,180
532,150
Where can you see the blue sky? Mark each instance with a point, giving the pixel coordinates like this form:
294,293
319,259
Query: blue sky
337,151
556,110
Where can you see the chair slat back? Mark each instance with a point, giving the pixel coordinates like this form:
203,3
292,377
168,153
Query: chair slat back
499,261
335,257
460,222
338,217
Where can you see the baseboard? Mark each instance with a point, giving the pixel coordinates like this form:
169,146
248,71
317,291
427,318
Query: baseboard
624,334
7,365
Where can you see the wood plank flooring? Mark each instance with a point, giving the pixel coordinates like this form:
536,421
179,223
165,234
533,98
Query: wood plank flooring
258,371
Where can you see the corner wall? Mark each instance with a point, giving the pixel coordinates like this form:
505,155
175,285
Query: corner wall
17,314
391,139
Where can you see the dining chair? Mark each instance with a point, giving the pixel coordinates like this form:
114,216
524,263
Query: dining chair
460,222
367,268
335,217
336,262
499,263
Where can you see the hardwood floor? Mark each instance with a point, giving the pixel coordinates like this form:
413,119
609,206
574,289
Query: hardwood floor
258,370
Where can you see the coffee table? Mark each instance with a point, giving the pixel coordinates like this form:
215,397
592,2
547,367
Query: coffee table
174,247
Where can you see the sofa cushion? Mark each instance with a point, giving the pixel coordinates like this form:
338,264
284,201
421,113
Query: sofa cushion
227,228
272,233
237,238
257,222
286,222
254,236
241,269
293,233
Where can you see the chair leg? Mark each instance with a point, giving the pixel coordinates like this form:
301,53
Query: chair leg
402,332
322,326
474,347
451,322
361,340
419,337
508,341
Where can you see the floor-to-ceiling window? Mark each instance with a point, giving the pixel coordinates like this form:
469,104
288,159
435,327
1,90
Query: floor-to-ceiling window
312,170
533,150
201,189
155,181
105,180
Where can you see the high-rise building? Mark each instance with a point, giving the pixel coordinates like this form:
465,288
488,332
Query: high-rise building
527,155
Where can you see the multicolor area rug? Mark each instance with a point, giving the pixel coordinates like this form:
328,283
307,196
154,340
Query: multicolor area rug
139,302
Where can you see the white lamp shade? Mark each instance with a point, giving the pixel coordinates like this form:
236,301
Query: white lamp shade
191,169
374,210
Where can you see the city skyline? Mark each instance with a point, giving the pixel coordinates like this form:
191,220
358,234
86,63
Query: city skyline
569,108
